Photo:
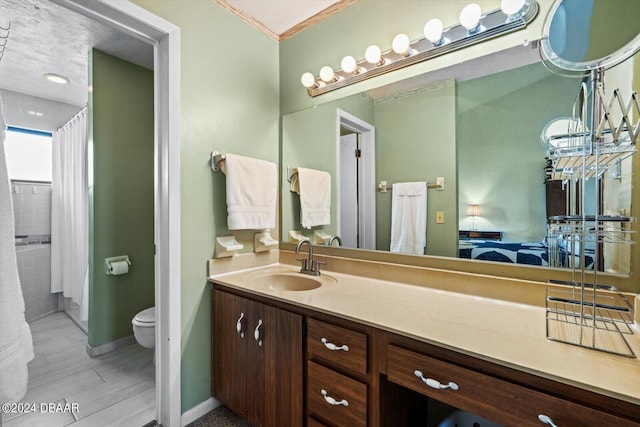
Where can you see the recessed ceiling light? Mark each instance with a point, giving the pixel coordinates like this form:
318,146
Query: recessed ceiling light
34,113
56,78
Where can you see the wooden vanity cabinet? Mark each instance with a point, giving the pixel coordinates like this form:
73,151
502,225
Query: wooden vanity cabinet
303,353
257,360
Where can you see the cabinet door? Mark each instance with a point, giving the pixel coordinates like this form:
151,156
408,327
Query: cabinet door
283,368
231,338
258,361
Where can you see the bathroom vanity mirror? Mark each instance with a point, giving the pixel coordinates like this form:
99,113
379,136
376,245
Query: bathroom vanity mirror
476,124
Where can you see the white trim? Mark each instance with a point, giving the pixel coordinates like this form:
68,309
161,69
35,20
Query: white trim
368,211
199,410
165,37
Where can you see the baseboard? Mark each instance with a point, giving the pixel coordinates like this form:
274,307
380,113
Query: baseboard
199,410
110,346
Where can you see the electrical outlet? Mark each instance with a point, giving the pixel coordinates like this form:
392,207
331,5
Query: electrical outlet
440,217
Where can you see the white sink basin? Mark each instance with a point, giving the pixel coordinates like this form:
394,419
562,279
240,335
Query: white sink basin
288,281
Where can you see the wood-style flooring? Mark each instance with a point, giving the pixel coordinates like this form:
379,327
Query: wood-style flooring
115,389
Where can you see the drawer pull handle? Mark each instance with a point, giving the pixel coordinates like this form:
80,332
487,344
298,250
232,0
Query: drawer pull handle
435,383
331,346
545,419
239,325
331,401
256,333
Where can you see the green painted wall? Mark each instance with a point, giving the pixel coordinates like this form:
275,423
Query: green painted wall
309,140
121,110
416,141
500,155
229,103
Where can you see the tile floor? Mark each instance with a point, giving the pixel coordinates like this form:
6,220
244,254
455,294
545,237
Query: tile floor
115,389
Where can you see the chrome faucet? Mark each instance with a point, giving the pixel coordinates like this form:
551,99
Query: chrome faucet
335,238
309,265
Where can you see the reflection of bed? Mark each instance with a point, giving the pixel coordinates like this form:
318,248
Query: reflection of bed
518,253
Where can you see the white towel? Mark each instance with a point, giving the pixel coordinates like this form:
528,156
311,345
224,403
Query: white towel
409,217
252,193
314,187
16,346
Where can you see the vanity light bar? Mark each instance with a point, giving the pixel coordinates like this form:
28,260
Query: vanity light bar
490,25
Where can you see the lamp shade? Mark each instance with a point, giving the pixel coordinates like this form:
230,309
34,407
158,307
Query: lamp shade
473,210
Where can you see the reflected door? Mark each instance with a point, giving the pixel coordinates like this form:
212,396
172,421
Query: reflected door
349,182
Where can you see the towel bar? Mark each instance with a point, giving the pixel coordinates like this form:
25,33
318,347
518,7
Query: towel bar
216,158
383,186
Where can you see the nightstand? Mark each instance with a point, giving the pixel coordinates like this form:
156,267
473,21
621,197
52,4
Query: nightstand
479,235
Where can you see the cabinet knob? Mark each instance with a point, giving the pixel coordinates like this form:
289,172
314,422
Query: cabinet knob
331,401
239,325
545,419
256,333
435,383
331,346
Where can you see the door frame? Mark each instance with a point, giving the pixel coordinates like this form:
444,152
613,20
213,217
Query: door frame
164,36
368,202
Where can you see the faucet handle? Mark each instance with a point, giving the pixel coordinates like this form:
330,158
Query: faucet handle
315,265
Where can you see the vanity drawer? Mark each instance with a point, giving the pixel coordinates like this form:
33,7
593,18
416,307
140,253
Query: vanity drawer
336,344
498,400
335,398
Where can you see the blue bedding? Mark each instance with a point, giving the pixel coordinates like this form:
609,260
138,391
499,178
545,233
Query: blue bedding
518,253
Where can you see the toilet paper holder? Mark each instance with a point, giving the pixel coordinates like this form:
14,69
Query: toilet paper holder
109,261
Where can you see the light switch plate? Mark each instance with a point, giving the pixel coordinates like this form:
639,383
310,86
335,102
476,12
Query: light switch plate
439,217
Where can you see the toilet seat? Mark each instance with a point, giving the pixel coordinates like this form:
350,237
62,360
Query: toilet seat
146,318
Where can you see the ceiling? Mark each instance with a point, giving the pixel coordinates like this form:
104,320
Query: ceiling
281,19
47,38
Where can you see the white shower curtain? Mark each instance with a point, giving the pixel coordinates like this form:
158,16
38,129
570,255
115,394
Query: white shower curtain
16,345
69,212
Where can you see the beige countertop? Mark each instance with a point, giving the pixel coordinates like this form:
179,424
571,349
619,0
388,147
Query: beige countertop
501,331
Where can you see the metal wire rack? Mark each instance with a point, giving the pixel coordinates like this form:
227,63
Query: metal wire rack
584,314
596,317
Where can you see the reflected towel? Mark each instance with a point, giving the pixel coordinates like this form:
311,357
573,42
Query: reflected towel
409,217
314,187
16,346
252,193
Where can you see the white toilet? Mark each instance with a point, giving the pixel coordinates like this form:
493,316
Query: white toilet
144,327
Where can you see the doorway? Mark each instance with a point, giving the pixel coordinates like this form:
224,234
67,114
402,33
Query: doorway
165,38
355,148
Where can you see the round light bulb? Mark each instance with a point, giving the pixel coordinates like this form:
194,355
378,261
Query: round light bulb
348,64
327,74
511,7
308,80
433,31
470,16
400,44
373,54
